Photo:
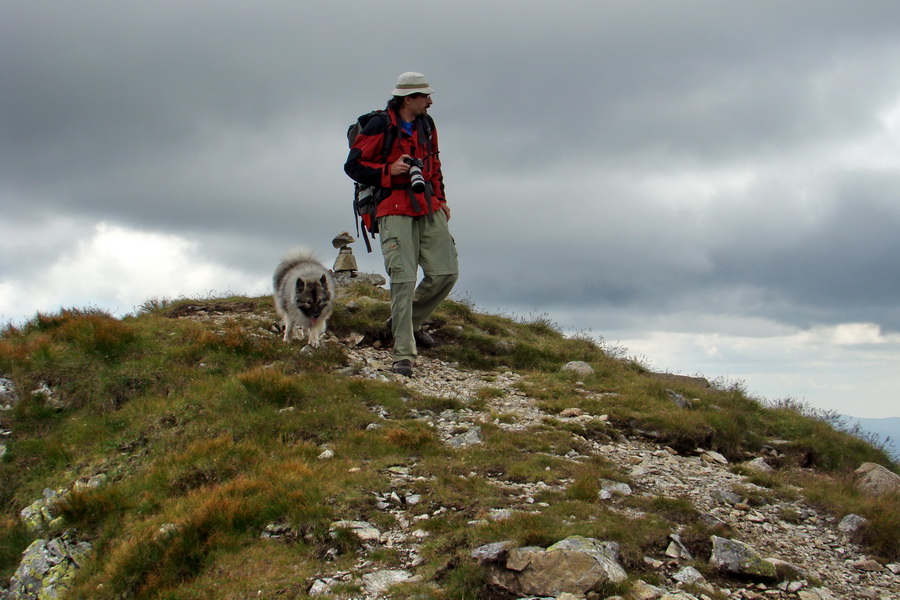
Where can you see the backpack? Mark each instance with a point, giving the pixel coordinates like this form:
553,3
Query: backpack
367,197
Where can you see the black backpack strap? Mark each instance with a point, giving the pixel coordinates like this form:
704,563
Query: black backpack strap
355,209
366,239
425,126
413,200
388,135
386,145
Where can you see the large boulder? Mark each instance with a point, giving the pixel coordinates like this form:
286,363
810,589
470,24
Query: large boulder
578,367
736,558
47,569
575,565
875,480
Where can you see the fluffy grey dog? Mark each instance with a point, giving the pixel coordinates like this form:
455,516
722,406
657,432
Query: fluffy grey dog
304,295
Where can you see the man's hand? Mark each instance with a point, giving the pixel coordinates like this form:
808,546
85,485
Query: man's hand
399,167
446,210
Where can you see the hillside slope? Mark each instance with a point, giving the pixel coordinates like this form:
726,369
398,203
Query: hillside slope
188,453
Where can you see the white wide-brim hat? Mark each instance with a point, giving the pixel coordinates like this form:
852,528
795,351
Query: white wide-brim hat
412,83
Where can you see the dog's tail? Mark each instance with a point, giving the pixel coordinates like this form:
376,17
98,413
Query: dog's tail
295,257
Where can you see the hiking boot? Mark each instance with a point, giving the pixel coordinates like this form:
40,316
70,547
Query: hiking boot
423,340
403,367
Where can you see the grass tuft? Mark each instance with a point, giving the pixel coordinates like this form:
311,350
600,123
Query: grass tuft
271,386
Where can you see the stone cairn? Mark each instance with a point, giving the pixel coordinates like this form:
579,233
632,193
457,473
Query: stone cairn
345,261
345,268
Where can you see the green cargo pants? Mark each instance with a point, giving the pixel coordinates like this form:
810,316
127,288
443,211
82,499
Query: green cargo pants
408,243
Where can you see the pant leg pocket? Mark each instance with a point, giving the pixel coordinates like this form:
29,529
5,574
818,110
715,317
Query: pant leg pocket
393,258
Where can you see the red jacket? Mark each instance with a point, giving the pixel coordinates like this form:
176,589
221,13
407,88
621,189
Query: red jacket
365,165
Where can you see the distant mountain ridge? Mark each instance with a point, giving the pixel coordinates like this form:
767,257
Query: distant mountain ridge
883,428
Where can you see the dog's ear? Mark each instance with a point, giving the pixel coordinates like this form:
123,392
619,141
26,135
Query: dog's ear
324,282
300,286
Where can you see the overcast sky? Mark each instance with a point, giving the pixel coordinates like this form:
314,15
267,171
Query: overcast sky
711,185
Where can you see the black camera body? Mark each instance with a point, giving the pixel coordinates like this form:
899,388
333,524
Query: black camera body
416,180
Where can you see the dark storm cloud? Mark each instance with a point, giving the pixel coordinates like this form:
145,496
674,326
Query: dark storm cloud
680,80
118,82
845,269
224,124
99,85
840,268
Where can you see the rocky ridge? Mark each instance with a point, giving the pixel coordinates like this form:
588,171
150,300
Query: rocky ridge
813,544
813,553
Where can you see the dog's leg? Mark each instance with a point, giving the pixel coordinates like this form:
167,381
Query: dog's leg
313,334
288,329
315,331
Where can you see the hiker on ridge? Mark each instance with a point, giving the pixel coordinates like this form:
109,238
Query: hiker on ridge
412,214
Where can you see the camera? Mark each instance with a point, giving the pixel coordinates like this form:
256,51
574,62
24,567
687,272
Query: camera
416,180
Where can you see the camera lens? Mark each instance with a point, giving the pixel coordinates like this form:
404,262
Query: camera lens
416,180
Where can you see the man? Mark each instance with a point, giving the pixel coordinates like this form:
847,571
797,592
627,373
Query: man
412,224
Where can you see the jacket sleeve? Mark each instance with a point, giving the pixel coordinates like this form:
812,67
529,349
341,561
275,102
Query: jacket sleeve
364,162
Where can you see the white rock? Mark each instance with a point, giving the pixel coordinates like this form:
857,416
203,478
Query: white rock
579,367
816,594
852,523
875,480
609,488
319,587
641,590
689,575
363,530
759,465
378,582
711,456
